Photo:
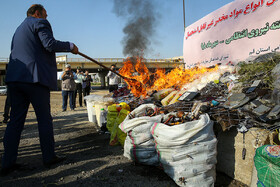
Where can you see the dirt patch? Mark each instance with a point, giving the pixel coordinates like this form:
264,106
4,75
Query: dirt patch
90,160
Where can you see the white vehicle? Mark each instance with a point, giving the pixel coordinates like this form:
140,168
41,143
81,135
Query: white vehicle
3,90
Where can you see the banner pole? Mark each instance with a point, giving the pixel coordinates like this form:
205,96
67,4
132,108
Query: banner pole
184,14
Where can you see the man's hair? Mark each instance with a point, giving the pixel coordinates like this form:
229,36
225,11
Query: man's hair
113,65
33,9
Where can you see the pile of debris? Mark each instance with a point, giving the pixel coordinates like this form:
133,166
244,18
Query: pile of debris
173,127
247,94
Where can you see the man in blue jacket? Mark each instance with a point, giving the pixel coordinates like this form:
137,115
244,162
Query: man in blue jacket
31,74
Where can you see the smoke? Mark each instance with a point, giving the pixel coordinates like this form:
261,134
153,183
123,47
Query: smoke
140,26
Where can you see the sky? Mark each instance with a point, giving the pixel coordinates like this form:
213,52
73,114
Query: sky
98,32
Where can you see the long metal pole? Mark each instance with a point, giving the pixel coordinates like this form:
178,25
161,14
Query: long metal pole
98,63
184,14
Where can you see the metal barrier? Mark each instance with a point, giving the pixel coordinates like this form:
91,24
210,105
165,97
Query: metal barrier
4,59
123,59
153,62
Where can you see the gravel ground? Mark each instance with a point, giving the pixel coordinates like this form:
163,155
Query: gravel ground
90,160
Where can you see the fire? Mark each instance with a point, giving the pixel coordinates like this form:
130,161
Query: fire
140,80
138,76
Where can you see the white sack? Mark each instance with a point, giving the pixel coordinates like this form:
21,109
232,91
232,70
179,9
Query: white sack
129,124
145,155
139,144
187,151
140,111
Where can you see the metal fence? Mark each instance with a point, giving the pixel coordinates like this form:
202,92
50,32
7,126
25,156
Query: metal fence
5,60
123,59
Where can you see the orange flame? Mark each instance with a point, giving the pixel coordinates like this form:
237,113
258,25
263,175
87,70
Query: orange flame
139,77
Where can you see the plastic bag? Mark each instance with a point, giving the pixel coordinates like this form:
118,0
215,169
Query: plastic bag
125,106
99,101
187,151
139,144
140,111
91,112
117,136
111,117
144,155
137,123
168,136
267,165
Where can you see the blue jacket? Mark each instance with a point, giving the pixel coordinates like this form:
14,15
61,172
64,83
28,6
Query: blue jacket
32,58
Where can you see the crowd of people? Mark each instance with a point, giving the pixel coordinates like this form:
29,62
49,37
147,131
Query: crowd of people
74,83
79,84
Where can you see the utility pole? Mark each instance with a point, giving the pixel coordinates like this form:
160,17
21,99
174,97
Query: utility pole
184,14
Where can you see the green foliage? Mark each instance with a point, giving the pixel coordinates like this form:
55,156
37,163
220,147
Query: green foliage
259,70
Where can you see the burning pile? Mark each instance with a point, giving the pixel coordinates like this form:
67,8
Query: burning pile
173,115
141,81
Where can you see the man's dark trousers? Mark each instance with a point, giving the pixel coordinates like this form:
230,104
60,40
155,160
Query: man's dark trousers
65,95
86,91
21,95
79,90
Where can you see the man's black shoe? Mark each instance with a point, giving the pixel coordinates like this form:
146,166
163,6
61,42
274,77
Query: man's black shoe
6,171
53,161
63,110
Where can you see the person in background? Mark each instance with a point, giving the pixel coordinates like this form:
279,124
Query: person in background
79,88
86,84
31,74
68,87
113,79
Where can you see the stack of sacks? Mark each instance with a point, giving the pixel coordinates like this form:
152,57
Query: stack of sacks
139,144
187,151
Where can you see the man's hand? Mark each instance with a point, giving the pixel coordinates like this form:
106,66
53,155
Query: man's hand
75,50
